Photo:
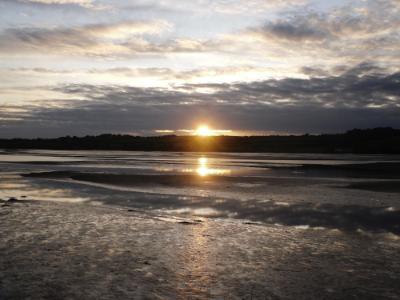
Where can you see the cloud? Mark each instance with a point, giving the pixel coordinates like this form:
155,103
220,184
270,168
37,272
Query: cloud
362,86
78,2
118,40
353,33
295,30
346,35
145,77
363,96
343,23
249,6
294,68
221,7
91,40
126,29
86,4
201,7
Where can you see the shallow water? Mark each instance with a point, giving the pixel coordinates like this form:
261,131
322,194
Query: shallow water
335,191
133,225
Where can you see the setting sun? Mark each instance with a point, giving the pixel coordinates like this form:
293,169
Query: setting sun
203,130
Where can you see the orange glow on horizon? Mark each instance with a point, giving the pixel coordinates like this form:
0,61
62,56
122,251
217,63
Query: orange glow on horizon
204,130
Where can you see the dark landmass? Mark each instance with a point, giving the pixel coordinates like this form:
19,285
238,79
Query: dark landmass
377,140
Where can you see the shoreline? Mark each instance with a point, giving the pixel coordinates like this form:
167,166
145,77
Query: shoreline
96,252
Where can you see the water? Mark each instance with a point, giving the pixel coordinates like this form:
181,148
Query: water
134,225
266,188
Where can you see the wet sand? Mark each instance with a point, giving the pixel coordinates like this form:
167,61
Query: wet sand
377,186
314,202
69,251
193,226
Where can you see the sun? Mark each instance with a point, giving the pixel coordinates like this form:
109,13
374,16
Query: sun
203,130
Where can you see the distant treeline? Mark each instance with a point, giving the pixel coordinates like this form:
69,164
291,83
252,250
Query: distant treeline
377,140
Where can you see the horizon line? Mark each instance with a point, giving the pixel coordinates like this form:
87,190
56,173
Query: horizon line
199,136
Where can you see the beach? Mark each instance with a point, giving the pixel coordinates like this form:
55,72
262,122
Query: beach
66,251
198,226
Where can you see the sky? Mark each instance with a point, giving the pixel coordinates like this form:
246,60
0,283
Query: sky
144,67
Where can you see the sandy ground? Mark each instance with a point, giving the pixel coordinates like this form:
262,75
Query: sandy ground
77,251
96,225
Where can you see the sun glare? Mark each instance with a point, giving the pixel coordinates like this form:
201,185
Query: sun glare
203,130
204,169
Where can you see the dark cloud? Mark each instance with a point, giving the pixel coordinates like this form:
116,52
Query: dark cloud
348,34
354,88
101,118
299,30
356,98
348,22
314,71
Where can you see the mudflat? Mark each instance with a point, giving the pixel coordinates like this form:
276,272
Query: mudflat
75,251
129,225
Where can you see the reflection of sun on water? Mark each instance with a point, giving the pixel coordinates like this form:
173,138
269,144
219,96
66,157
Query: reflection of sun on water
196,259
203,169
203,161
